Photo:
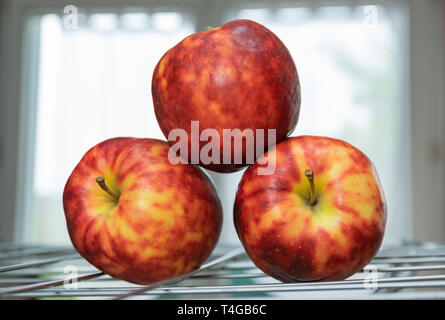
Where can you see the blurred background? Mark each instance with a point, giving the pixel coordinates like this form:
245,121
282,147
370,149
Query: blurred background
74,73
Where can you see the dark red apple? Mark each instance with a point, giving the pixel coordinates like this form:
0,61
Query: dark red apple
137,217
235,76
319,216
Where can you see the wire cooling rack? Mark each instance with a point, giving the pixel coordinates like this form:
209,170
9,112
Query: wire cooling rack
397,272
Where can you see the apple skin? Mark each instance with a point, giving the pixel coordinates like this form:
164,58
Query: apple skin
292,241
166,222
238,75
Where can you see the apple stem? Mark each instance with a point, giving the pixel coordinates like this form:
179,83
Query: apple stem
101,182
310,176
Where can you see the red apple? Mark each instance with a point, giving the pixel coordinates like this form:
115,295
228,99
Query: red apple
235,76
137,217
320,216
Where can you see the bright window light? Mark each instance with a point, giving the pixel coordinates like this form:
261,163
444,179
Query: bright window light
93,85
167,21
135,21
349,67
103,22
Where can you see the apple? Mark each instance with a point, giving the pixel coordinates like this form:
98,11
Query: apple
137,217
320,216
235,76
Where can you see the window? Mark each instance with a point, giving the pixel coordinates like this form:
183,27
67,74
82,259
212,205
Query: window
94,83
350,62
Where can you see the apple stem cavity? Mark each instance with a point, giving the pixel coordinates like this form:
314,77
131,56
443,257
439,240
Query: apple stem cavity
310,176
101,182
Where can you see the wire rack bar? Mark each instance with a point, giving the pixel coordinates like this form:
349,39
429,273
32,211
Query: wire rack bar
215,262
29,252
38,263
233,289
34,272
402,282
43,285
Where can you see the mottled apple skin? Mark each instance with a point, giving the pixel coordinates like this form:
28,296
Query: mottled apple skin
167,220
292,241
238,75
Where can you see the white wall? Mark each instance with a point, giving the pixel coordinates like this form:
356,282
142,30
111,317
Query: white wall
428,119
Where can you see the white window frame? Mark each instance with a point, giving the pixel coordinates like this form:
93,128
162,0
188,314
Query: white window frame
425,82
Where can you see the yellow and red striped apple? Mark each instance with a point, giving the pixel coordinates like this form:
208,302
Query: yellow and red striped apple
235,76
320,216
137,217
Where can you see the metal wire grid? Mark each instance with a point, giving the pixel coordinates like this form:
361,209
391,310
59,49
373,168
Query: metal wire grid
397,272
